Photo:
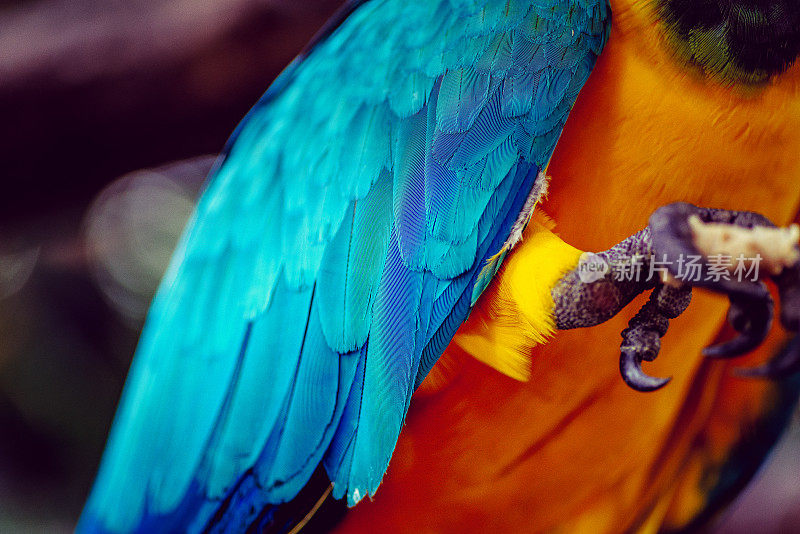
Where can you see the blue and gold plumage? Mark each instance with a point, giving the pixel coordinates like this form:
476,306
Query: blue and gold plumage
335,252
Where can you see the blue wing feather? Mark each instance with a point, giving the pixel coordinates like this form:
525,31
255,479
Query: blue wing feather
339,457
335,252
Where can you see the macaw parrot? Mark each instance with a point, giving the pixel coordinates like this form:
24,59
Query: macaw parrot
405,212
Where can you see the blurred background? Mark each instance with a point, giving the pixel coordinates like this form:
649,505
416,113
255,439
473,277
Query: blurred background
110,113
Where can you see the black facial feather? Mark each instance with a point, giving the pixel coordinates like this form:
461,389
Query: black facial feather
744,41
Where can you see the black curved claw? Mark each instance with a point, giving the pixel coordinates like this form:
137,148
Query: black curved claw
787,363
668,247
641,341
752,318
630,366
752,308
782,366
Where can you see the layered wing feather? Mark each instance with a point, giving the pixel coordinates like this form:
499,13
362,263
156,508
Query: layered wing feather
334,254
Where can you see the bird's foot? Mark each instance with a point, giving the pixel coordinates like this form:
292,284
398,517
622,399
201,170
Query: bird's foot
684,247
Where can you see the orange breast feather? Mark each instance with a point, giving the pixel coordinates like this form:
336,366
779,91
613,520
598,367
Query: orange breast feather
574,449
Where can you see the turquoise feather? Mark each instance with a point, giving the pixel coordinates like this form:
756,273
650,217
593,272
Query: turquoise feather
350,273
337,248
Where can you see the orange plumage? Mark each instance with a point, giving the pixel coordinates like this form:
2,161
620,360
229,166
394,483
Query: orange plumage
573,449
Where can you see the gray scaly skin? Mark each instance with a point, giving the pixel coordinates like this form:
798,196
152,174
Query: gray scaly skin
582,303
